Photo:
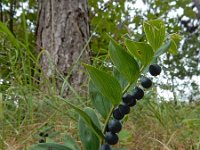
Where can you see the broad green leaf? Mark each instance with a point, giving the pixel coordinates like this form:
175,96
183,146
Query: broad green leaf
140,51
164,48
70,142
106,84
88,138
155,33
124,62
175,38
47,146
85,117
101,103
122,81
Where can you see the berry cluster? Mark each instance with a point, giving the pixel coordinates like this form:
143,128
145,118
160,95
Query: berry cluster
43,137
128,100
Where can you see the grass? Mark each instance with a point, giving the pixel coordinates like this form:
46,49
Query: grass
150,125
164,126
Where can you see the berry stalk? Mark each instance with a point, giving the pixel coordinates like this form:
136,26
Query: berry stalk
111,111
111,128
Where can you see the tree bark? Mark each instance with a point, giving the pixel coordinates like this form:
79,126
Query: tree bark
1,11
197,4
63,31
11,13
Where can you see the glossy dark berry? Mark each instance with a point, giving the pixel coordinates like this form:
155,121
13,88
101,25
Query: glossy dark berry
124,108
154,69
41,134
117,114
138,93
133,103
46,135
41,141
127,98
105,147
114,126
111,138
146,82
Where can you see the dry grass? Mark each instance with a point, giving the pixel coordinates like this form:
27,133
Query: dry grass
147,132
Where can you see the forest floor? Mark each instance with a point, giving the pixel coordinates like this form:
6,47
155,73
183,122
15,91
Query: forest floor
150,126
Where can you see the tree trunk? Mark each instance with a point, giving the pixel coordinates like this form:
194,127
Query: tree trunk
1,11
63,32
197,4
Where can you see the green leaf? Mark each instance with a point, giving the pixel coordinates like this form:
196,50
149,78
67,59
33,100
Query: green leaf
85,117
164,48
140,51
69,142
155,33
137,20
190,13
88,138
125,136
101,103
47,146
173,48
106,84
175,38
23,20
122,81
11,37
16,43
124,62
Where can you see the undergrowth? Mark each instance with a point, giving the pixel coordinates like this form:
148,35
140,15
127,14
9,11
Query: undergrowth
151,125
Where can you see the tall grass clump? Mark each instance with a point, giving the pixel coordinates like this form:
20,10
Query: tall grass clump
159,124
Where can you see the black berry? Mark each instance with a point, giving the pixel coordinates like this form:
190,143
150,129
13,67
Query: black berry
41,134
46,135
114,126
146,82
124,108
111,138
105,147
138,93
41,141
127,98
132,103
117,114
154,69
